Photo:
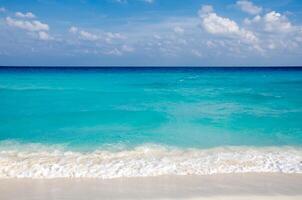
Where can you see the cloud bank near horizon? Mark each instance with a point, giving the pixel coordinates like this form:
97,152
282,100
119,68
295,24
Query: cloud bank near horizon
236,33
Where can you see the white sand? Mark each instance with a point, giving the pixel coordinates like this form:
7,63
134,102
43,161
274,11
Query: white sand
224,187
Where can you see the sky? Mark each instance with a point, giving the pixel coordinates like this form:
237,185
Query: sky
150,33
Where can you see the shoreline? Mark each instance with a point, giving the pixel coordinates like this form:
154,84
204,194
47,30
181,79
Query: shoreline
225,186
146,161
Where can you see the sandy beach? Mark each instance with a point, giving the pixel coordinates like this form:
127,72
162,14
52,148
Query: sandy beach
232,186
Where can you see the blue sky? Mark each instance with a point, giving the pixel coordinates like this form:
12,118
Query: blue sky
151,32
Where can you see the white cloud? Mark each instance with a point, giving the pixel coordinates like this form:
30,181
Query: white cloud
272,22
28,15
217,25
40,29
256,19
276,22
73,29
115,52
88,36
275,30
180,36
178,30
109,37
27,25
44,36
84,35
248,7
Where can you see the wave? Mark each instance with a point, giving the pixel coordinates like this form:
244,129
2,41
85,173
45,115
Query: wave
147,160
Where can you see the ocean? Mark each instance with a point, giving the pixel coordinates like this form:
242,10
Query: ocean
131,122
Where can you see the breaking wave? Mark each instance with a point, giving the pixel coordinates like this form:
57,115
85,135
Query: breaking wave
146,160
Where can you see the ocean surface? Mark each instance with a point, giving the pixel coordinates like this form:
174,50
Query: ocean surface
130,122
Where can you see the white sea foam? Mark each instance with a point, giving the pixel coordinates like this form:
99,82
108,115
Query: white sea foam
147,160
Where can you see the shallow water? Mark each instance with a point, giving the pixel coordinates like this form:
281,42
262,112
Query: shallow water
84,110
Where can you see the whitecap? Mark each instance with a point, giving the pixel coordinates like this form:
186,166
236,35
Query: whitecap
147,160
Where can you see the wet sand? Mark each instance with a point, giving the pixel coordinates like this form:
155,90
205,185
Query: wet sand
232,186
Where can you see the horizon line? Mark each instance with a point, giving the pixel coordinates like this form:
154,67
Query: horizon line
138,66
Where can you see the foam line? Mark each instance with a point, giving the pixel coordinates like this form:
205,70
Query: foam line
147,160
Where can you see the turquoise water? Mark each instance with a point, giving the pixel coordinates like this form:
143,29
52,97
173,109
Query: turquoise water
201,108
131,122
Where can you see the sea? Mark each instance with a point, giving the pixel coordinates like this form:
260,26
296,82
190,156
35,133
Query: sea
113,122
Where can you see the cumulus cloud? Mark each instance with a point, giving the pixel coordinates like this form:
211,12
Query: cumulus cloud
186,37
276,31
88,36
115,52
272,22
27,25
28,15
41,29
108,37
73,29
217,25
85,35
119,51
276,22
44,36
248,7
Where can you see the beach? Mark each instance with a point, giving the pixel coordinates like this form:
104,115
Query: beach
151,100
227,186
